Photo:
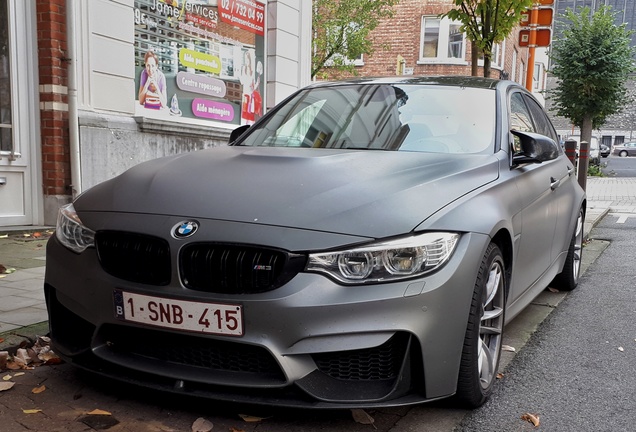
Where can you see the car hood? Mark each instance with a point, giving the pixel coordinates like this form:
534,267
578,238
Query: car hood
367,193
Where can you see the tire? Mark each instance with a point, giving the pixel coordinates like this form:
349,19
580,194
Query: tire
482,343
568,279
623,153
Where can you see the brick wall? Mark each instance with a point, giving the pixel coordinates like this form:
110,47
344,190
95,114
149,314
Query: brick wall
51,31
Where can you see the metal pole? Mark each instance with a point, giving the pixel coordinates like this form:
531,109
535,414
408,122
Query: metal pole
532,43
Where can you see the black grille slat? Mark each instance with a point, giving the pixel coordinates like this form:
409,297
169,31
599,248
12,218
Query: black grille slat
134,257
192,351
377,363
236,269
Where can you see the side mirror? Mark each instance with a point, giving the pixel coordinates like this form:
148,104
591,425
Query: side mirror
535,148
236,133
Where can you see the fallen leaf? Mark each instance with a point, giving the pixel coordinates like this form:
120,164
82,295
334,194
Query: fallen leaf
26,235
202,425
4,358
6,270
37,234
508,348
99,412
53,361
553,290
32,411
38,390
18,374
621,349
362,417
6,385
531,418
13,365
4,236
233,429
1,340
251,419
500,375
22,356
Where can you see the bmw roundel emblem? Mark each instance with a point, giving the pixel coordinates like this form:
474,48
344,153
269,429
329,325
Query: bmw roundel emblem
185,229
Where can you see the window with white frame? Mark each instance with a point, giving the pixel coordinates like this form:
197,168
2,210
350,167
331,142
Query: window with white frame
498,56
442,41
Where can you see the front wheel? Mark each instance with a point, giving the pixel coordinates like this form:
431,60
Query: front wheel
623,154
482,343
568,279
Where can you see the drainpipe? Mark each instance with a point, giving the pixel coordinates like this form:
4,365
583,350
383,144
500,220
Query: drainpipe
73,117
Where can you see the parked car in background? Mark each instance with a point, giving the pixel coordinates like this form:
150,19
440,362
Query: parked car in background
361,245
625,149
605,151
594,155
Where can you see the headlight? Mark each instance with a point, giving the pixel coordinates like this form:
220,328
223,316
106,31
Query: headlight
387,261
71,232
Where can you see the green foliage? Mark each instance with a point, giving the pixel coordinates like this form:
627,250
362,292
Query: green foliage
594,171
593,60
488,22
341,31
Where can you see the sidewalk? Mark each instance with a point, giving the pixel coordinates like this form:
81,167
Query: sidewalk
22,296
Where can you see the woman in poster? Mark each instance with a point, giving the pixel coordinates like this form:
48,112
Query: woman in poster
251,101
152,84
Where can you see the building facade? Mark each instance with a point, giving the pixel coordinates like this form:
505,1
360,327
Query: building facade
417,41
91,88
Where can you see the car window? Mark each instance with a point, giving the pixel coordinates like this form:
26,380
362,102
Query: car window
541,121
405,117
520,118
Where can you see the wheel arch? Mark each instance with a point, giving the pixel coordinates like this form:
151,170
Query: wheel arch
503,240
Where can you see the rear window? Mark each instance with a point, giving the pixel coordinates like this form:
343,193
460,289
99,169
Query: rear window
418,118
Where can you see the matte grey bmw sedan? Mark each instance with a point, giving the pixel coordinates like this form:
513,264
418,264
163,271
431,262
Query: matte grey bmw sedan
361,245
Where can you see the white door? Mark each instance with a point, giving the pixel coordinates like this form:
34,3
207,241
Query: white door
19,116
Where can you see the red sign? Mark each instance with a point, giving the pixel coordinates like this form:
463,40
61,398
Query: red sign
544,17
246,14
543,38
546,2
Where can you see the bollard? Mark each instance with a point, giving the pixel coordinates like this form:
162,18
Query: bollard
570,150
584,153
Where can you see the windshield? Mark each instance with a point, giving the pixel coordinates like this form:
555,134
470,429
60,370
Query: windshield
420,118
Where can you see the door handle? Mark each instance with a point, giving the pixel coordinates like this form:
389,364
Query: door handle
570,171
554,183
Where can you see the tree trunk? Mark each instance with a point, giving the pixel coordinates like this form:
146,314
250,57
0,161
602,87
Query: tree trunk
486,66
586,135
474,59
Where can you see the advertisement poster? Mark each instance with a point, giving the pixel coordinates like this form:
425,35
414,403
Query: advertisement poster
200,59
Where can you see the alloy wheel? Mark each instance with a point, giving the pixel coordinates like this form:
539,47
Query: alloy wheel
491,323
578,247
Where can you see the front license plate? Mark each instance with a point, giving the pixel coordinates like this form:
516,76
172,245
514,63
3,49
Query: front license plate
213,318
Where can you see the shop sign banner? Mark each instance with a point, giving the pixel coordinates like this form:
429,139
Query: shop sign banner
200,59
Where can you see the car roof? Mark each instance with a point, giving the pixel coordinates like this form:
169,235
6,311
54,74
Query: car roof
454,80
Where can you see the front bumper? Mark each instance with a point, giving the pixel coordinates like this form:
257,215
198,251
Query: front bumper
309,343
